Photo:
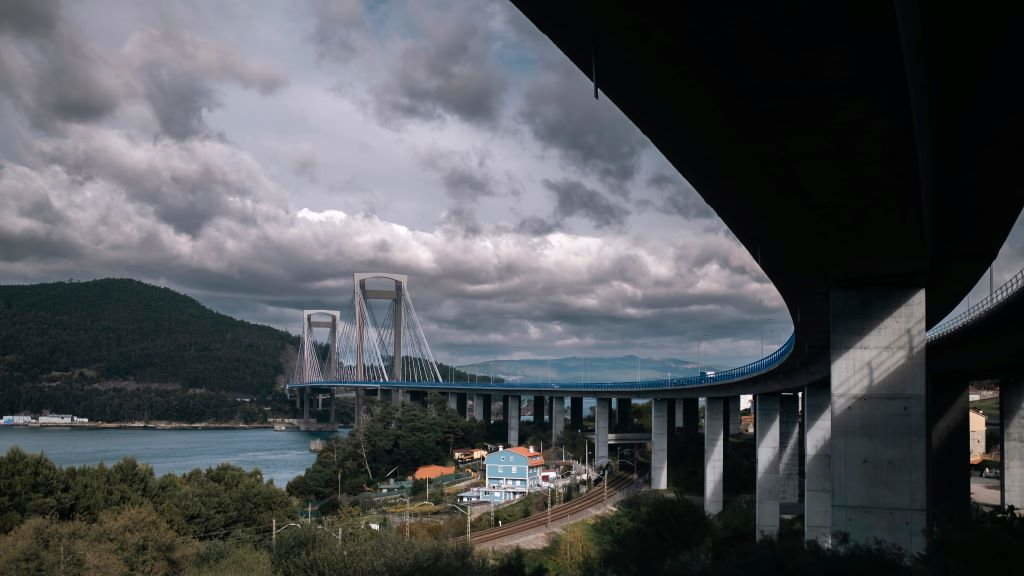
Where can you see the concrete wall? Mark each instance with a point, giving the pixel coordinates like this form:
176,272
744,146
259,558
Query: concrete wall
1011,405
601,431
766,493
512,419
557,418
789,449
714,454
879,435
818,463
659,444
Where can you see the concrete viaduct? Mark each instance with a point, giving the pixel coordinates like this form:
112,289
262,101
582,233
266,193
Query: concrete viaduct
865,153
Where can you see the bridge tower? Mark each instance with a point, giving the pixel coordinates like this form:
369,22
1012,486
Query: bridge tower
397,315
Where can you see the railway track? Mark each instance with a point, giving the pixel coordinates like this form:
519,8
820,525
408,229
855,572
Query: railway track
592,498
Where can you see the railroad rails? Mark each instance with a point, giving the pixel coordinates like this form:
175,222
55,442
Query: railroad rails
595,496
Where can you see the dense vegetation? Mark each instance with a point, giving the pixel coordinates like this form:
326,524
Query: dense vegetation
127,330
393,443
122,350
665,534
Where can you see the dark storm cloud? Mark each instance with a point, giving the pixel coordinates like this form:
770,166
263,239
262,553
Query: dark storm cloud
444,65
29,18
535,226
573,198
47,71
593,135
180,73
678,197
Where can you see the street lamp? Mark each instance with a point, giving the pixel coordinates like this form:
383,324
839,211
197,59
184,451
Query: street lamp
274,530
468,519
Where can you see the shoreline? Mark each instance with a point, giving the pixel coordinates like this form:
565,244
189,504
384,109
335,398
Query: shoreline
150,426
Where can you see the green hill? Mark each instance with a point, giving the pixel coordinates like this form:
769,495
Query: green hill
125,330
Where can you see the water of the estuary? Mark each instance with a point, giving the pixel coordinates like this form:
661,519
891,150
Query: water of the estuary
281,456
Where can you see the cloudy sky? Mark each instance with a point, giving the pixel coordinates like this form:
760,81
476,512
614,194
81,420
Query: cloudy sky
254,159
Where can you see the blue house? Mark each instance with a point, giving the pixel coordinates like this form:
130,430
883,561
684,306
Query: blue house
511,473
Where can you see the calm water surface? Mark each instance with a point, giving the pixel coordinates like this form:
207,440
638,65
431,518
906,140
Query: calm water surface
281,456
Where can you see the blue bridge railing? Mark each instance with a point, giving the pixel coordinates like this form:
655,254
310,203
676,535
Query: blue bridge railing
746,371
981,308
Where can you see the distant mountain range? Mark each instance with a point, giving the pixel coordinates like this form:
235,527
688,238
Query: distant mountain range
599,369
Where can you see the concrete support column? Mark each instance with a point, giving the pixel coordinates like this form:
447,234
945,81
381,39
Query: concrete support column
818,463
305,403
659,444
334,412
714,452
949,443
1011,408
766,494
623,413
557,418
512,419
460,404
601,431
397,396
453,401
789,449
486,398
691,416
879,432
734,415
576,413
538,409
478,407
678,409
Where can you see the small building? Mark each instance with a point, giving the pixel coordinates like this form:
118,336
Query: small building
977,426
747,424
57,419
17,420
432,472
512,473
464,455
393,486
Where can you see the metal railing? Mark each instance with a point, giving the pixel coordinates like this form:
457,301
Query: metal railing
978,310
750,370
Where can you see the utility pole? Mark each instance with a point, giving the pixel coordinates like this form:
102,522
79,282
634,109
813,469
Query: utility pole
273,533
549,507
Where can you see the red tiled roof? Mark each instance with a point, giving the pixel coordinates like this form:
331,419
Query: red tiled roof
532,458
432,471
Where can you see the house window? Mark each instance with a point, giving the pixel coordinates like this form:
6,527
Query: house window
513,469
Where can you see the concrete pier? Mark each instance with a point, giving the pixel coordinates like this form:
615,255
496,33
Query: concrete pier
557,418
512,419
879,432
678,409
478,407
949,439
659,444
601,431
1011,407
766,493
691,417
818,463
789,449
538,409
576,413
623,414
453,401
714,453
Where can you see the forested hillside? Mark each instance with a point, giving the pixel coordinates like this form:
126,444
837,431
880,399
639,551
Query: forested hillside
125,330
